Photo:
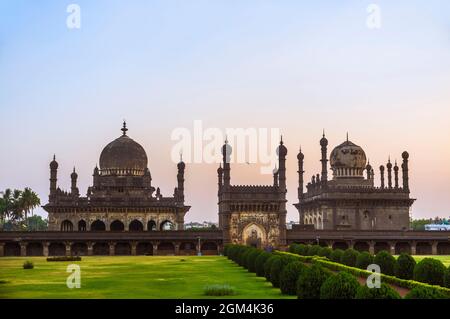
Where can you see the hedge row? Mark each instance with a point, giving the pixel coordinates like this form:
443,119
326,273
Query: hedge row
430,271
304,276
432,290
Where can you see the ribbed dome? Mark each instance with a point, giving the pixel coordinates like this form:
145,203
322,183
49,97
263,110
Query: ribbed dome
123,156
348,160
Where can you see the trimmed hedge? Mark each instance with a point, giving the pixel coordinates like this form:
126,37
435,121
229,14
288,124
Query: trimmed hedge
430,271
386,262
313,250
384,292
349,257
289,276
325,252
404,268
259,263
447,277
364,260
268,266
302,249
251,259
336,255
425,293
409,284
276,268
310,281
340,286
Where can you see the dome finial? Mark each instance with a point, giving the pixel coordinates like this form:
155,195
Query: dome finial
347,136
281,139
323,134
181,156
124,128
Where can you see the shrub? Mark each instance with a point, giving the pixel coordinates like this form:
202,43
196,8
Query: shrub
341,286
364,259
275,270
28,265
313,250
430,271
325,252
336,255
218,290
404,268
268,266
310,281
243,257
386,262
289,276
226,249
251,259
259,263
384,292
293,248
420,292
349,257
447,277
302,250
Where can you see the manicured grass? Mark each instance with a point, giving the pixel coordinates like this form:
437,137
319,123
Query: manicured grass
131,277
444,258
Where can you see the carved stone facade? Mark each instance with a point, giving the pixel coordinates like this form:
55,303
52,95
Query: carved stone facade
253,215
350,201
121,198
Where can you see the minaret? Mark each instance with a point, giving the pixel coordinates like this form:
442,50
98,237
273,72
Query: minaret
220,176
74,188
324,160
275,176
96,175
282,152
382,176
300,172
396,174
405,157
180,178
226,152
389,170
53,177
369,170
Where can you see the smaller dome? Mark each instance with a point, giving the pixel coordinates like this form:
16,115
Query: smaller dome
405,155
227,150
281,150
54,163
300,156
348,160
74,174
181,165
323,141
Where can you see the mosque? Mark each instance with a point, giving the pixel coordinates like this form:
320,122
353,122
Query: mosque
124,214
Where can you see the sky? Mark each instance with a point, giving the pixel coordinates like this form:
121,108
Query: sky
296,66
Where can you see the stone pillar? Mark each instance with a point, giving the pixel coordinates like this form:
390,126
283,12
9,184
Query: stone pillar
413,248
155,249
177,248
23,249
45,248
68,249
392,247
434,250
351,244
133,248
219,249
112,248
90,248
372,247
2,249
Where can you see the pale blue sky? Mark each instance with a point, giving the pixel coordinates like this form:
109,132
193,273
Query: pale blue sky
301,66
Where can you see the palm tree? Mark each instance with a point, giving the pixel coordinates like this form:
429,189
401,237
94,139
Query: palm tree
6,204
17,206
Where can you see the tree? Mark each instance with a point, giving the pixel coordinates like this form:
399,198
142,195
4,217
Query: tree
386,262
310,281
384,292
289,276
341,286
364,260
349,257
430,271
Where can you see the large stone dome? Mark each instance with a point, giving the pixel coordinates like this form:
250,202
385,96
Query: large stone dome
123,156
348,160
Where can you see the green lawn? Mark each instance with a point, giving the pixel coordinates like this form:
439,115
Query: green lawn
130,277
